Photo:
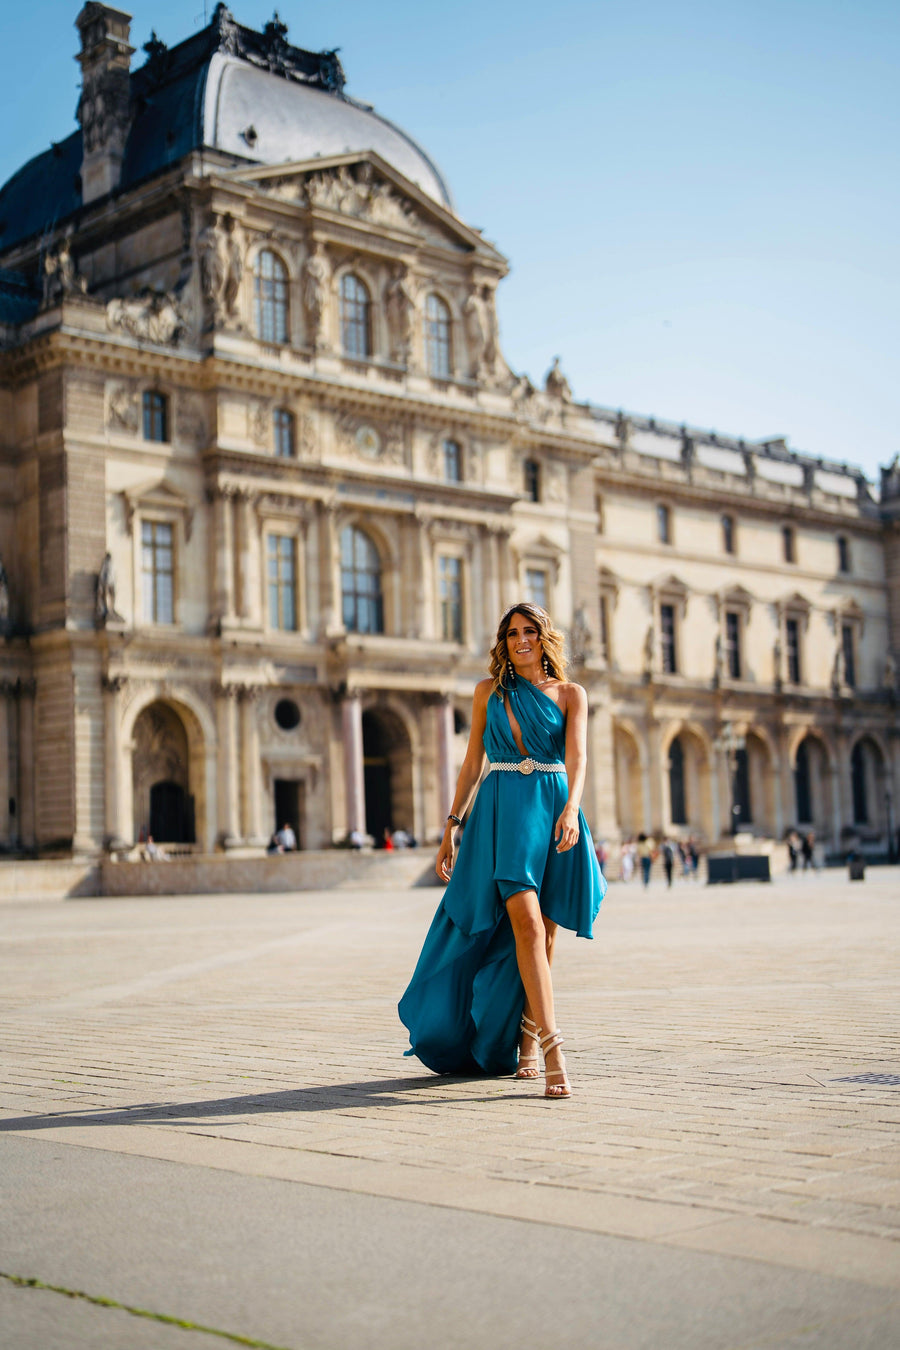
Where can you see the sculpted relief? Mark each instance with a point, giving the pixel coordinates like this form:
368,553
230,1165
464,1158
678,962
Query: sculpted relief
151,316
221,268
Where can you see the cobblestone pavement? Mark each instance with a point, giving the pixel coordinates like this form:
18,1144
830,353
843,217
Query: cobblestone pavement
733,1052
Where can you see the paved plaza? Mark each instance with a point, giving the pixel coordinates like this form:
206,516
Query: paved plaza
206,1116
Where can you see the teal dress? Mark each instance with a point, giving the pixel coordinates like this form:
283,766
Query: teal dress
465,999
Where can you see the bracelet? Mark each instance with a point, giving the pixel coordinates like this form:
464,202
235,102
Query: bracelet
456,820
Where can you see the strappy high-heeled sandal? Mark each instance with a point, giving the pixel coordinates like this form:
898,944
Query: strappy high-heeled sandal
529,1065
551,1041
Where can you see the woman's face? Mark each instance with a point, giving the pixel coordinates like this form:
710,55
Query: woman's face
523,640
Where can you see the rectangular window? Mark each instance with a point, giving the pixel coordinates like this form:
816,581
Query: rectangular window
667,639
536,586
452,462
282,582
733,644
450,583
663,524
848,648
283,424
728,533
598,507
532,476
158,571
843,547
787,543
792,634
156,419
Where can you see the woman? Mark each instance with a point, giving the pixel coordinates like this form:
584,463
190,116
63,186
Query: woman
525,866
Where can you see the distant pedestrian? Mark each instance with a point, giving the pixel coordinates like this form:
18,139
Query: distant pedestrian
668,857
286,839
646,851
628,858
806,848
793,847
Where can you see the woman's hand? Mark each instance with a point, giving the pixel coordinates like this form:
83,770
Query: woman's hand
443,864
567,831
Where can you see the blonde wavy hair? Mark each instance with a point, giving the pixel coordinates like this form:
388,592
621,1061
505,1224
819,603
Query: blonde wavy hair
552,641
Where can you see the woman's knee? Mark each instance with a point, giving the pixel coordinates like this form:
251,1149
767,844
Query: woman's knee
525,916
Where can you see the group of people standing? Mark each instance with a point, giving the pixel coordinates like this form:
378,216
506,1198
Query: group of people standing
802,849
641,853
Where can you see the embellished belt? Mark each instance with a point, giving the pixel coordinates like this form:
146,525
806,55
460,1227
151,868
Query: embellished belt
527,766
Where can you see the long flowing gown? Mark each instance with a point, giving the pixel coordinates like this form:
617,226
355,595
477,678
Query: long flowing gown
465,999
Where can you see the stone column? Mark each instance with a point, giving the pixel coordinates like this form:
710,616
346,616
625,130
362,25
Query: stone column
112,755
491,600
223,525
329,571
26,804
446,776
653,791
248,559
351,727
251,786
228,786
5,767
425,608
777,796
715,795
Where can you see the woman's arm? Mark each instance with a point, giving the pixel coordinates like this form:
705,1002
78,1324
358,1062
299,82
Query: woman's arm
576,709
469,775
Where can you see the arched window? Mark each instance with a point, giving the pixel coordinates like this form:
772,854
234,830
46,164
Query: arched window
362,604
270,291
677,800
437,338
356,336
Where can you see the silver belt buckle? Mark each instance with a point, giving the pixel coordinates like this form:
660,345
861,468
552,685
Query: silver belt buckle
527,766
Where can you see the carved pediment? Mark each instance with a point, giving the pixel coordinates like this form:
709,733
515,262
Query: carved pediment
365,188
158,495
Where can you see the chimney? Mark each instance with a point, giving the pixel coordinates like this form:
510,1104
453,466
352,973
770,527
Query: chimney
104,107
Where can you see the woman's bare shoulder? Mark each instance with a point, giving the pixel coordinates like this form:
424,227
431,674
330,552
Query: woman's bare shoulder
572,694
483,690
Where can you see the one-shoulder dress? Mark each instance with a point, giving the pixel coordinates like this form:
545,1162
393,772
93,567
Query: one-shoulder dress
465,999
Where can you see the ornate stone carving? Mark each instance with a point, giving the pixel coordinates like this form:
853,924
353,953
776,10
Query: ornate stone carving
581,638
382,441
555,483
358,192
259,420
315,279
152,316
221,268
123,412
190,420
556,384
649,652
475,323
225,30
889,675
399,308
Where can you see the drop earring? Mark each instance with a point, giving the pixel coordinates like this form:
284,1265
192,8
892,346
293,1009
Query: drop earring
546,664
510,673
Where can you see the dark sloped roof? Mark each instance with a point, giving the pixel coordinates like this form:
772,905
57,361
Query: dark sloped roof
168,112
18,301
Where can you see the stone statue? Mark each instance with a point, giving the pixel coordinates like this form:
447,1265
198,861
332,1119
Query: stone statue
221,266
399,309
314,281
4,597
623,430
776,662
556,384
475,322
492,344
106,590
649,649
718,660
889,678
837,668
582,638
61,277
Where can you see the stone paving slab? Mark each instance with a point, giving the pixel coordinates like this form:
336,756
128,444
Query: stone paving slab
733,1053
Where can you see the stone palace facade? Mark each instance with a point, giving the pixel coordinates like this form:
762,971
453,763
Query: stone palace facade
266,483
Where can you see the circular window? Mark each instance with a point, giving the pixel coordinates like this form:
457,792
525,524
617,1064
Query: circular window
287,714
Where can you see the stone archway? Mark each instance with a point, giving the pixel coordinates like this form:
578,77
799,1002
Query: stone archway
387,773
760,785
163,801
629,781
687,787
812,786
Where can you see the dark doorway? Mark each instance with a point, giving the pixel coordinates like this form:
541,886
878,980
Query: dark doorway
171,814
802,784
743,810
377,777
289,806
677,799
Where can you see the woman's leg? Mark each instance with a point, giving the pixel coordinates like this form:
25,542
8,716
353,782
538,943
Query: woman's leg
532,940
550,930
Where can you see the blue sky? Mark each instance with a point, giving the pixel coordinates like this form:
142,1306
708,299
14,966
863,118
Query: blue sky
699,201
